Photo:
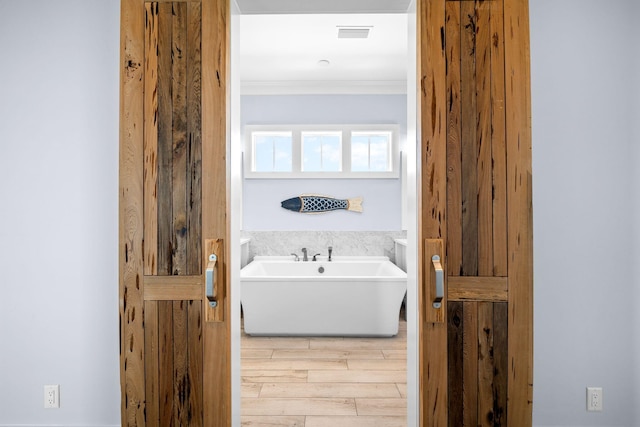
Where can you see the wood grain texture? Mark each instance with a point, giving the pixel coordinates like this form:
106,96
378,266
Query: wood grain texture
165,362
173,362
455,355
151,140
194,138
433,116
484,71
478,366
181,381
433,376
173,168
476,154
470,352
165,144
520,217
195,363
160,226
475,288
501,362
215,69
152,362
215,84
432,151
169,288
454,141
468,95
498,139
488,211
463,363
485,367
131,213
179,147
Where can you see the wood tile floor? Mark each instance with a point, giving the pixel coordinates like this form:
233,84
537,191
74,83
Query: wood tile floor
323,381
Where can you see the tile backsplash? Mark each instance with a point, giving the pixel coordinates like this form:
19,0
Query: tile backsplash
344,243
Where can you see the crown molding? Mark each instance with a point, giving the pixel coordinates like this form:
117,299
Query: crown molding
324,87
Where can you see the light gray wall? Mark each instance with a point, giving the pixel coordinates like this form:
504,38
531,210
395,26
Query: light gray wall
635,195
58,214
58,186
582,54
382,206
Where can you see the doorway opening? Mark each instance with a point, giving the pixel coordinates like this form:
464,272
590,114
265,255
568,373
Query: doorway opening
409,197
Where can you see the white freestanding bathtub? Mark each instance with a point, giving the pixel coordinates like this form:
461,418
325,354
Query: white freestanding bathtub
348,296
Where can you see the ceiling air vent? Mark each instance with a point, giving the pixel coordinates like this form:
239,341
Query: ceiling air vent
353,32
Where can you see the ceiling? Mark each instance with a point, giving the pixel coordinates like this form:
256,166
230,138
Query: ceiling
322,6
282,44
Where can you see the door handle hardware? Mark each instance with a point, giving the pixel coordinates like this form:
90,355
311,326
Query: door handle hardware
437,266
210,276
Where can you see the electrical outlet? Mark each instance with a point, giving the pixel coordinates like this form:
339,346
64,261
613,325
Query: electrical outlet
594,399
52,396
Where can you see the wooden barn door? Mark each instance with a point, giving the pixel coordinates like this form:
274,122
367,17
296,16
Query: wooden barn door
476,347
175,350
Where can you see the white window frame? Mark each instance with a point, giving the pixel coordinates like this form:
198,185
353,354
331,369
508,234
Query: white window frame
296,167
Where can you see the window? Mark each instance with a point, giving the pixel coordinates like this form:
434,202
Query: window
371,152
271,151
321,151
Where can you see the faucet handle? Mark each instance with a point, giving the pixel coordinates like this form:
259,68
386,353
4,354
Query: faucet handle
315,257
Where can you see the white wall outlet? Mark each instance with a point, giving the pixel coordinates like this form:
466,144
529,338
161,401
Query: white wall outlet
594,399
52,396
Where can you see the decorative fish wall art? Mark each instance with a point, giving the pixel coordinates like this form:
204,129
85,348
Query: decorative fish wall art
314,203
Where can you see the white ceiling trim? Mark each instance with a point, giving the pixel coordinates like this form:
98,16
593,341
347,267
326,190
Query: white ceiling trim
349,87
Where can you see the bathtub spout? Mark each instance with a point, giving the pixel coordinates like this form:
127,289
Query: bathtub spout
304,254
330,250
295,257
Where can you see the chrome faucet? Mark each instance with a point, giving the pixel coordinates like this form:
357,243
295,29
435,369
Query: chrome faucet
304,254
295,257
330,250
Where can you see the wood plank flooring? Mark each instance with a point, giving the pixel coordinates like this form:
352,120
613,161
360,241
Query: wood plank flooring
324,381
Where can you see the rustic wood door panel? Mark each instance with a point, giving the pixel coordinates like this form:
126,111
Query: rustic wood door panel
173,139
174,345
173,362
477,349
476,154
476,170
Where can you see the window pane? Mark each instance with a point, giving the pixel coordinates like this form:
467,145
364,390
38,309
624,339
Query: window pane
370,152
321,152
379,153
272,152
359,153
282,159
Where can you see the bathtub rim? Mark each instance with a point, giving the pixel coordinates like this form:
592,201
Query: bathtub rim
399,274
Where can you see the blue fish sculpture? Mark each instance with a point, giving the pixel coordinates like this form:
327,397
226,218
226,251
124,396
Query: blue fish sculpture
313,203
